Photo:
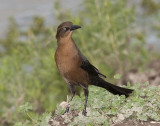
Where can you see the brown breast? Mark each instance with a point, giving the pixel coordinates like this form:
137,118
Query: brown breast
68,62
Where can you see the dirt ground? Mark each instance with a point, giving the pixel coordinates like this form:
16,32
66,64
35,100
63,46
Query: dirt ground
59,121
151,74
138,123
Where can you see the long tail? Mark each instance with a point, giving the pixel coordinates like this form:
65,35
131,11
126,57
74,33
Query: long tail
110,87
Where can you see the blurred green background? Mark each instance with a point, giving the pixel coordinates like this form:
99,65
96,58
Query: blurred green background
116,36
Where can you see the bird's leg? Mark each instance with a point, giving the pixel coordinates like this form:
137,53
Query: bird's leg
72,89
86,99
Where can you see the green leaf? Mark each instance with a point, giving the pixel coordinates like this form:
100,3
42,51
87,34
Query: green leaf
44,119
25,108
22,124
18,124
117,76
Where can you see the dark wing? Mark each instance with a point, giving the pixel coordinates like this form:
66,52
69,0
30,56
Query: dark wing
90,68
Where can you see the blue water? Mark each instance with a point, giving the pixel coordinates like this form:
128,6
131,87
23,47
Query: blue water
24,10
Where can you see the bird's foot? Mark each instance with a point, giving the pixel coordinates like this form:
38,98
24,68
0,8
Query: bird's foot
84,112
66,111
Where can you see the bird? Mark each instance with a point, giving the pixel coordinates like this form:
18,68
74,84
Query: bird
75,68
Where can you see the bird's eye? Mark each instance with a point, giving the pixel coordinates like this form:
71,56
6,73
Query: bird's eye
65,29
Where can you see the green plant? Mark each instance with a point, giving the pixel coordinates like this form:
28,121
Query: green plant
106,109
38,121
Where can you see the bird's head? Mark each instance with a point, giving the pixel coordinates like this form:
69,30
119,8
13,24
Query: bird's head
66,29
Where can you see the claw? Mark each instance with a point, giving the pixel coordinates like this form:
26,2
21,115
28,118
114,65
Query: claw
84,113
66,111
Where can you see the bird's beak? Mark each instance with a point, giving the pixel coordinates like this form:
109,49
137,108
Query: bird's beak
74,27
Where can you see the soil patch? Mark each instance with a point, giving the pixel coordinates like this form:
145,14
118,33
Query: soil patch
138,123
